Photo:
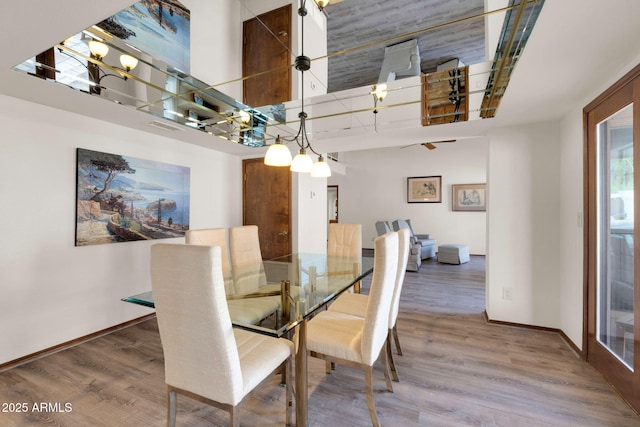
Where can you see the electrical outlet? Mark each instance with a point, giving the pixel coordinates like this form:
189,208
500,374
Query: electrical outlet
507,293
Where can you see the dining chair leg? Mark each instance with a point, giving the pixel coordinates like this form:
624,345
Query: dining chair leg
385,367
289,393
284,373
235,419
327,367
171,415
368,380
392,365
397,341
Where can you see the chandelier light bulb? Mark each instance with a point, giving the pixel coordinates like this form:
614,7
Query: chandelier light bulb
302,163
245,118
278,154
128,62
321,169
380,91
322,4
98,49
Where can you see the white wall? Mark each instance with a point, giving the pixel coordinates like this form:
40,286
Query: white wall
50,290
216,46
375,188
571,219
309,222
524,233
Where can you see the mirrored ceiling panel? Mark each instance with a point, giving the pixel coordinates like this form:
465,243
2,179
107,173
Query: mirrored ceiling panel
147,84
416,93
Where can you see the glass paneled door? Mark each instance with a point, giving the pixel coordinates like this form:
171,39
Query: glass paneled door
612,332
615,235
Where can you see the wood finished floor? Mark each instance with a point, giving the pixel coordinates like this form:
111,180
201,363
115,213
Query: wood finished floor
457,370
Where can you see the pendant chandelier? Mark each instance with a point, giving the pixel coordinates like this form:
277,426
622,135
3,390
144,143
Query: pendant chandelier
278,154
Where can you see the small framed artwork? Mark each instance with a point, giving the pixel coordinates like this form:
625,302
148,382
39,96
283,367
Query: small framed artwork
424,189
469,197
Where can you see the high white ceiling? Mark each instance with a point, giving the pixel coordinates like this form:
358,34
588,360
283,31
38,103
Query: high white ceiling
574,49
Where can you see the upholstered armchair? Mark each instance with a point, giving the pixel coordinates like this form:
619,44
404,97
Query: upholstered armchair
414,259
427,245
383,227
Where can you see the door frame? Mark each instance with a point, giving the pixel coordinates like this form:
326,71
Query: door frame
337,219
622,93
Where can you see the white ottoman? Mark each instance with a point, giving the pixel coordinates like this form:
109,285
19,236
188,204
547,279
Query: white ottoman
453,254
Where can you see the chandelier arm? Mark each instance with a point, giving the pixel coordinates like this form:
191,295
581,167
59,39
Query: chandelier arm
112,75
313,151
97,66
294,138
305,140
62,51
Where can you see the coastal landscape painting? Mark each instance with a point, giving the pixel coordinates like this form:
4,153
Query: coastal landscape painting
122,199
160,28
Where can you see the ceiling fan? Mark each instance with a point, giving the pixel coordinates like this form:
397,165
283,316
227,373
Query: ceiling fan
430,145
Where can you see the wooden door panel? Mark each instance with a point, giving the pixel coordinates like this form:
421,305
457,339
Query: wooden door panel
266,51
266,200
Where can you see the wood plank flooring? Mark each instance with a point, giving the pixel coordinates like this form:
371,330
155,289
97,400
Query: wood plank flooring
456,370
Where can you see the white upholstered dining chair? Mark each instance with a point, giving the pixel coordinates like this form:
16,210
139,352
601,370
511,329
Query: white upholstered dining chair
243,310
214,237
205,358
246,258
357,341
356,304
344,240
344,245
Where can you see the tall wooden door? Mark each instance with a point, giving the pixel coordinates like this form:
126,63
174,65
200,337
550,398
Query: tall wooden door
266,51
611,258
266,202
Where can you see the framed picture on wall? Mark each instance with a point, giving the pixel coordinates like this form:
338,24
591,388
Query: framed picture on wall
469,197
121,198
424,189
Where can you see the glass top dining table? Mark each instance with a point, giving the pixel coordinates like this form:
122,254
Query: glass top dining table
299,284
277,296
